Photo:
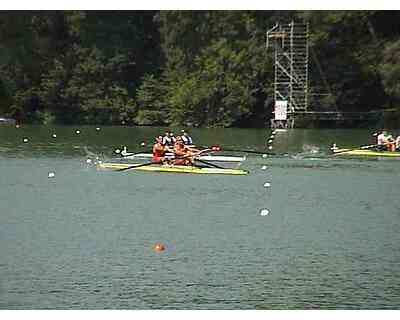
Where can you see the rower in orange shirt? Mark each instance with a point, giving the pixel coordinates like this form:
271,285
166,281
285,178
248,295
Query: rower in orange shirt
183,154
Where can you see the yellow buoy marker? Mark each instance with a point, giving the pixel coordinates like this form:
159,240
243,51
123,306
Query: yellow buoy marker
267,185
25,140
51,175
264,168
264,212
77,132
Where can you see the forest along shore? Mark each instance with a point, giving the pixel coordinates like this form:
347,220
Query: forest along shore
151,67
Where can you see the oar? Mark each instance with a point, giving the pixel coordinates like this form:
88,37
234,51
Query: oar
209,164
219,148
137,166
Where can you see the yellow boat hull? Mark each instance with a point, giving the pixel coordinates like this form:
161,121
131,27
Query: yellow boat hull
172,168
361,152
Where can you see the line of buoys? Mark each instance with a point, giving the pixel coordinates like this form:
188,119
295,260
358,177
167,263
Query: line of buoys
270,141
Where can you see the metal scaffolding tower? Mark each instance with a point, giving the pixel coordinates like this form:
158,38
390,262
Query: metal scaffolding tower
290,42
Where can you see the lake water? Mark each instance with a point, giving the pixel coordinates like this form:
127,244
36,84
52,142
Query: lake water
84,239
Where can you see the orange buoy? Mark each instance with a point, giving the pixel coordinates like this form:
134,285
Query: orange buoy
159,247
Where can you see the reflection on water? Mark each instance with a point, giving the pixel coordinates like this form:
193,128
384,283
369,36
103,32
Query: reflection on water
84,239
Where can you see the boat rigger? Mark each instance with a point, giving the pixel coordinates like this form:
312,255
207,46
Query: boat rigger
171,168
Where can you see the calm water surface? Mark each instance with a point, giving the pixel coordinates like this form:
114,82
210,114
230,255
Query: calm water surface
84,239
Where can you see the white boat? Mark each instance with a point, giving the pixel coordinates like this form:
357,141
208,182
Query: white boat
205,156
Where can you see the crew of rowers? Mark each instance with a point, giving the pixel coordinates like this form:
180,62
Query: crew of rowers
180,146
386,142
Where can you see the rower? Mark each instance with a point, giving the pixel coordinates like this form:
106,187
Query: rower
172,137
385,141
159,150
380,140
183,154
166,140
397,142
187,140
390,143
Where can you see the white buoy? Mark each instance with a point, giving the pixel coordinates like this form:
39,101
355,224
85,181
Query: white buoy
270,148
51,175
97,129
88,161
264,168
143,144
264,155
264,212
25,140
270,141
117,151
272,136
54,135
99,161
274,131
267,185
77,132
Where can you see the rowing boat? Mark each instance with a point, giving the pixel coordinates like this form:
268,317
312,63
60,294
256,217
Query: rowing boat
365,152
171,168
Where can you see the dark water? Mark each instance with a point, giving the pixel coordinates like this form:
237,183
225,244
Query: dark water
84,239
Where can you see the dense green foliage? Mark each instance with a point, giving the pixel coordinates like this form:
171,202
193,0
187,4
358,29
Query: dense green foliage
195,68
